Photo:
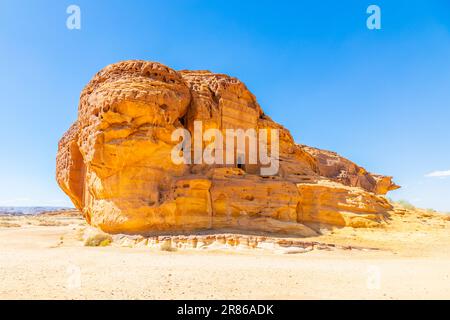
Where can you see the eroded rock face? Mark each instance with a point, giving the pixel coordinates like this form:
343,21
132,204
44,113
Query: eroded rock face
339,169
115,161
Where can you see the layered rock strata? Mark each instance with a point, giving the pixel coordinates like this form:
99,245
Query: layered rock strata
115,162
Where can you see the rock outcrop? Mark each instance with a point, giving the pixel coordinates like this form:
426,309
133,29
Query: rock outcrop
115,161
337,168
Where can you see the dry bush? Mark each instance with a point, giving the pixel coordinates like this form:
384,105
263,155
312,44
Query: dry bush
50,223
9,225
406,205
98,240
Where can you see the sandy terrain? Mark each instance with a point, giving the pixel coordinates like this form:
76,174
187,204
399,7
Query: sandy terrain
45,257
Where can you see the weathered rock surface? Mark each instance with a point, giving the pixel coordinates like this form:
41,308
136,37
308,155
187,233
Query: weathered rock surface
339,205
115,162
339,169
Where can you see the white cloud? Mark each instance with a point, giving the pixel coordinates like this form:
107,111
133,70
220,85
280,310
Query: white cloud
438,174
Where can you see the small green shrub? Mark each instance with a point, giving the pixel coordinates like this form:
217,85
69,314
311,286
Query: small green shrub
98,240
105,243
405,204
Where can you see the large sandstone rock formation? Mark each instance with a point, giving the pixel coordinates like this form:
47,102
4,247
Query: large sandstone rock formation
115,161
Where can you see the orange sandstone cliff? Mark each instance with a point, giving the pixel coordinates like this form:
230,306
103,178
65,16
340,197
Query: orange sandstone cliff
115,162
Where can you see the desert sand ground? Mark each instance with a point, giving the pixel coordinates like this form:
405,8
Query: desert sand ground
45,257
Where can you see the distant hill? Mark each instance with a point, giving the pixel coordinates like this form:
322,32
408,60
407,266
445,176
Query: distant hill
29,210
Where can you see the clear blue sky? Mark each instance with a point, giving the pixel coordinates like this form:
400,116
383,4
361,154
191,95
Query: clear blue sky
380,98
